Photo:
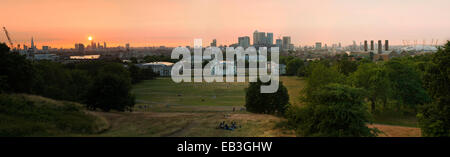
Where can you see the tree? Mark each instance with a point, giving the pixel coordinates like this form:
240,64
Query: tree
16,72
406,84
374,79
110,89
293,66
135,73
268,103
110,92
52,80
333,110
346,67
320,76
434,118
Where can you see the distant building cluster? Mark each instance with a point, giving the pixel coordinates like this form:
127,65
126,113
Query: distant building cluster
261,39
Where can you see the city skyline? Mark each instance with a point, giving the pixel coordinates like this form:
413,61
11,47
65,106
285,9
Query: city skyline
178,23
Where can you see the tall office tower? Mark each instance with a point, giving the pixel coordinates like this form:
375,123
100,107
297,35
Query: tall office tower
354,46
262,40
79,47
386,45
244,41
287,43
214,43
339,45
326,47
93,45
32,44
256,37
127,46
104,45
98,45
380,47
365,45
269,40
279,44
371,45
259,38
318,45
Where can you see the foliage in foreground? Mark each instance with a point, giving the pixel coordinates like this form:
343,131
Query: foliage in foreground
28,115
434,119
334,110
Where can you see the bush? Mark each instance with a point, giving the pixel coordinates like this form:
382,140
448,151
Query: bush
268,103
334,110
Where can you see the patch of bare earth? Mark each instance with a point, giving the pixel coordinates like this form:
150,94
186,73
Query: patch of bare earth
396,131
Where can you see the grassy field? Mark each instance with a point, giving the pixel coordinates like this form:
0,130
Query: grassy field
168,109
162,94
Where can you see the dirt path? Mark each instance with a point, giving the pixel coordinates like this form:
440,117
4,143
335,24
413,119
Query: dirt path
193,121
397,131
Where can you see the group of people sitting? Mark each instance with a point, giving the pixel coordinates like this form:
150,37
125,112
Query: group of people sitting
225,126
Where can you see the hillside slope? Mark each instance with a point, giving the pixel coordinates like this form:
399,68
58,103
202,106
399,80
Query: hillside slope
29,115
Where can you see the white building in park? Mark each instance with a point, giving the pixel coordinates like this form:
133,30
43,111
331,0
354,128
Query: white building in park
227,68
162,68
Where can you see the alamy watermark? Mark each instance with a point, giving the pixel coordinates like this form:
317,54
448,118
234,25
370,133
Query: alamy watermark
234,66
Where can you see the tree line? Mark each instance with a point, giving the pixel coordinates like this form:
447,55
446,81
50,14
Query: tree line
99,84
341,96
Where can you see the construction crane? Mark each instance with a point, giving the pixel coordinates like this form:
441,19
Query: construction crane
7,36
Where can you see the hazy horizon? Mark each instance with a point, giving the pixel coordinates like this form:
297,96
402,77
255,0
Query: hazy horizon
177,22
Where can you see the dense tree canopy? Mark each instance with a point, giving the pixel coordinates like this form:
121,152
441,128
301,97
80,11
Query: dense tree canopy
374,79
269,103
434,119
103,85
293,65
16,72
406,84
320,76
333,110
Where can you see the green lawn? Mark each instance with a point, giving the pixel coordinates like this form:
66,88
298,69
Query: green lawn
162,94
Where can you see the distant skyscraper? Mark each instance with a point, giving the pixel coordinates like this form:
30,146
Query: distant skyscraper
255,37
339,45
279,44
318,45
32,44
244,41
79,47
98,45
371,45
380,47
259,38
93,45
386,45
127,46
269,39
365,46
287,43
214,43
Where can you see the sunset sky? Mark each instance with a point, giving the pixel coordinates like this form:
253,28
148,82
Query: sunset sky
62,23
